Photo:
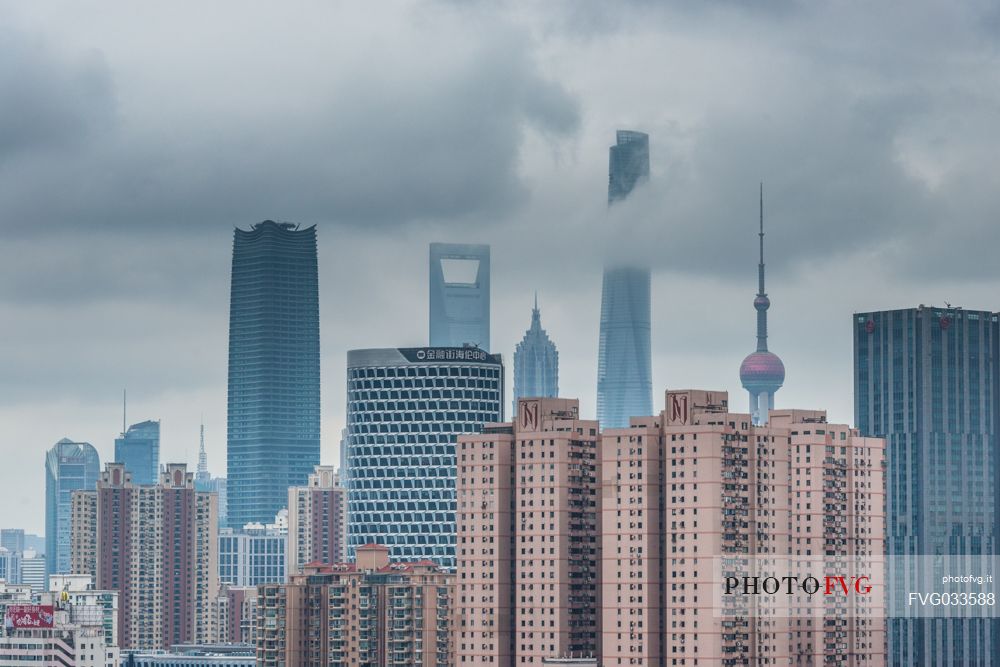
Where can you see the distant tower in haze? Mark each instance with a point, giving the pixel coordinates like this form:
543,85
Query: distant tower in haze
203,480
274,389
202,456
762,373
459,295
536,362
624,376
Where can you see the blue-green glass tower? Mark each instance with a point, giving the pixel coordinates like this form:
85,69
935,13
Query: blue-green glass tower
139,449
926,380
624,375
274,401
69,466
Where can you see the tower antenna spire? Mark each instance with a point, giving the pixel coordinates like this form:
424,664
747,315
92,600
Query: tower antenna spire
760,269
762,373
124,403
202,456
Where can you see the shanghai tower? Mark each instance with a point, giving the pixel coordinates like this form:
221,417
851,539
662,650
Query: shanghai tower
624,379
274,409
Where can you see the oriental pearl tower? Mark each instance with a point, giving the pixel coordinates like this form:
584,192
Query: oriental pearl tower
762,372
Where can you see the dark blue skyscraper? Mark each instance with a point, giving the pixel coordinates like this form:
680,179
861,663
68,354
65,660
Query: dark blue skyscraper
624,376
536,362
274,407
459,295
926,380
69,466
139,450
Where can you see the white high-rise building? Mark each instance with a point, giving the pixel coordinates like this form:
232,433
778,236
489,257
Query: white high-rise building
405,409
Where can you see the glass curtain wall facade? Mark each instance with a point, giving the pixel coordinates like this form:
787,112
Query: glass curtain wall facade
459,295
274,392
925,379
405,409
624,375
139,450
69,466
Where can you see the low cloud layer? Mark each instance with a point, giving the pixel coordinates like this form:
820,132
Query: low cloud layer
137,140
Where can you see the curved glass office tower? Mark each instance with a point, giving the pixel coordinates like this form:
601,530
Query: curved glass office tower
405,409
624,376
69,466
274,410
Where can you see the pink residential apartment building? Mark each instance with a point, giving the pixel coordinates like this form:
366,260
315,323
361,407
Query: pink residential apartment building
156,545
670,497
317,521
528,545
370,613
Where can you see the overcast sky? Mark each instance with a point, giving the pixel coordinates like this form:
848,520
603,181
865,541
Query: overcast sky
135,136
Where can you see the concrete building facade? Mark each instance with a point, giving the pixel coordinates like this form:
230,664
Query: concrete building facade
669,498
157,547
65,628
317,520
255,555
528,539
371,613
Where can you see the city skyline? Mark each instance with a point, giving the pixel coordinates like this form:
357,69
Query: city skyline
870,182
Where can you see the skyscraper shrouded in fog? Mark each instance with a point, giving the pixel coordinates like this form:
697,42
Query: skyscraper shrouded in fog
69,466
405,409
139,449
624,376
459,295
762,372
536,362
274,399
926,380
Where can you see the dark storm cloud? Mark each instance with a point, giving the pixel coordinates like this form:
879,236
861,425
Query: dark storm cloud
52,102
139,138
827,193
413,132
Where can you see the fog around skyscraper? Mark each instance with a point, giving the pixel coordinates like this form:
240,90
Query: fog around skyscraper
624,366
125,174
